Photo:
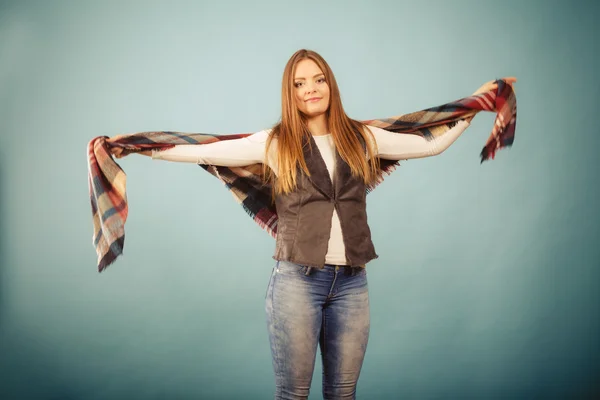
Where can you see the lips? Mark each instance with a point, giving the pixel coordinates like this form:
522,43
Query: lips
313,99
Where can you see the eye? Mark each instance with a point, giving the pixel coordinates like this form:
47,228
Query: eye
298,84
321,80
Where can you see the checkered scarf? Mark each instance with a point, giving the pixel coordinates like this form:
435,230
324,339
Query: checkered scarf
107,180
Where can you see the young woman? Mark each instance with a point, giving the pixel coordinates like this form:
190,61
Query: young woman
319,162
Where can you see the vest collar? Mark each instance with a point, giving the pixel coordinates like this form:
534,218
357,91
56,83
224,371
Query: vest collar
319,175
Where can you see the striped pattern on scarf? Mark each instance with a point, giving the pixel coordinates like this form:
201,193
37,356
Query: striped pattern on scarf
107,181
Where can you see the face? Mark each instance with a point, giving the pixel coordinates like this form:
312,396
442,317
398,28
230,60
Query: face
310,88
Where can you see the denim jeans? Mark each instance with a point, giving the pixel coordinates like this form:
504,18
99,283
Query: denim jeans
308,306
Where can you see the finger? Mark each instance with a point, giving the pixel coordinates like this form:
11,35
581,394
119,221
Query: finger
509,80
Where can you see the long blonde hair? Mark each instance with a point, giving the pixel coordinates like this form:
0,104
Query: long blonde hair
292,129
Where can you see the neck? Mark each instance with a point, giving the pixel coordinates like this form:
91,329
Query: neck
318,125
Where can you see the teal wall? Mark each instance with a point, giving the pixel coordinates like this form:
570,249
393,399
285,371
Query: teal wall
487,285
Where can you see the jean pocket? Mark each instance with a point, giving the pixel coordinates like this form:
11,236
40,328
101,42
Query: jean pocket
287,268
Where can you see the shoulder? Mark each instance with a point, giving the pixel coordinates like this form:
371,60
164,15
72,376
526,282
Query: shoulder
262,139
372,132
260,136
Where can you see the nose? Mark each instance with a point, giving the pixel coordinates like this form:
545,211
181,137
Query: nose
310,88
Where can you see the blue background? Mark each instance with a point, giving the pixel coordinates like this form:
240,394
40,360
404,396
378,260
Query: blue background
487,285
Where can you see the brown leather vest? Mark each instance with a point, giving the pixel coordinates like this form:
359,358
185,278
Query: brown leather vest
305,214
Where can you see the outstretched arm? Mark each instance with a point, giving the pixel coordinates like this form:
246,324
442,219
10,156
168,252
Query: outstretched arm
394,146
398,146
228,153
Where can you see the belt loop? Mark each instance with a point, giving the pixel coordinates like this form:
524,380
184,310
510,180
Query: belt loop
308,269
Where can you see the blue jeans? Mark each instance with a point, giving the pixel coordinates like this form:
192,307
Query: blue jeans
308,306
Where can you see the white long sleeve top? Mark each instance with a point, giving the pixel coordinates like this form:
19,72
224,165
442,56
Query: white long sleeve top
252,149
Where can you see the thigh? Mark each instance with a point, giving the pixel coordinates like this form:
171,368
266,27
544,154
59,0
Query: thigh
294,315
344,337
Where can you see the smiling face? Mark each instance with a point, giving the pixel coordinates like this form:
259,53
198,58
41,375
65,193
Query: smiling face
310,89
310,96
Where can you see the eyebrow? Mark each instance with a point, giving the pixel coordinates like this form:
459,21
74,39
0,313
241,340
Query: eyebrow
313,77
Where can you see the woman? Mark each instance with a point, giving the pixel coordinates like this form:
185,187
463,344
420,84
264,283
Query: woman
320,164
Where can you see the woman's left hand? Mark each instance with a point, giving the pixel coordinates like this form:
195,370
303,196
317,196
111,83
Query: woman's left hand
491,85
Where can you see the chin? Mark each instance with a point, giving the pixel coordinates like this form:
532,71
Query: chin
314,113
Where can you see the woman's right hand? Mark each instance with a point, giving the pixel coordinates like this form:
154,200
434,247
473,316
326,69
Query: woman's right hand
147,153
120,152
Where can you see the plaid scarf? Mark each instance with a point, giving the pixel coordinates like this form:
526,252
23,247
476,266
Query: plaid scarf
107,180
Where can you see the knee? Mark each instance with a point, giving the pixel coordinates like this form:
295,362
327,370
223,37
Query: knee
339,391
287,392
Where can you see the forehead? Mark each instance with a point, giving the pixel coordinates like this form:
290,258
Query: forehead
307,69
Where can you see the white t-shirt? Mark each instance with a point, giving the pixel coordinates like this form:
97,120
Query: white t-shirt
251,150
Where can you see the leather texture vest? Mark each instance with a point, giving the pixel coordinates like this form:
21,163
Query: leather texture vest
304,225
